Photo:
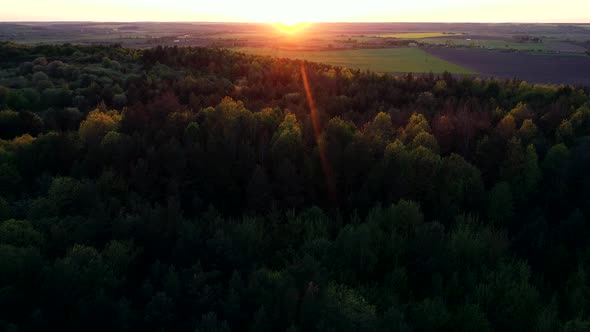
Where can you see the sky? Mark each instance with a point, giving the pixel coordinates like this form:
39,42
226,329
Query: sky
296,11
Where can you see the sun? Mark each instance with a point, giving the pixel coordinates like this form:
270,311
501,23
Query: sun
290,27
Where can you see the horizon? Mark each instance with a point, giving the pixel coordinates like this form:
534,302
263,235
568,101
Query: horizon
310,22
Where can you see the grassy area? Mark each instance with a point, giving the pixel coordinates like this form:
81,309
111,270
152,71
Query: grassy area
487,43
416,35
401,60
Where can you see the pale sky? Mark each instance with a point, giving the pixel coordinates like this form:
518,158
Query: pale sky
298,10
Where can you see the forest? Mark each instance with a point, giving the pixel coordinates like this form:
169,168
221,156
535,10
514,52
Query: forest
205,190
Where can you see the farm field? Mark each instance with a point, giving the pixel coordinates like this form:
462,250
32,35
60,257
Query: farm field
416,35
391,60
486,43
564,47
559,69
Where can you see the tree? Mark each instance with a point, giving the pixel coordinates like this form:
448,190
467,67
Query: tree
10,179
210,323
159,312
430,315
287,140
404,217
20,233
380,130
565,133
119,257
532,171
426,140
394,320
521,112
356,250
97,124
443,129
65,194
4,209
461,187
259,191
260,322
500,204
470,318
506,128
528,131
576,325
514,161
555,170
9,124
416,124
346,310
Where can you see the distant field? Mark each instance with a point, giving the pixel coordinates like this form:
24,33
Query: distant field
416,35
388,60
237,35
487,43
107,26
565,47
557,69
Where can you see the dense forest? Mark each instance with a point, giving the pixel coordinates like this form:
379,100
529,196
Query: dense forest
190,189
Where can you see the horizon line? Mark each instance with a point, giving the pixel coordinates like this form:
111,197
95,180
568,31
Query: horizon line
312,22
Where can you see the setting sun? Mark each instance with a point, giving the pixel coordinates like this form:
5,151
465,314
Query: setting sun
290,28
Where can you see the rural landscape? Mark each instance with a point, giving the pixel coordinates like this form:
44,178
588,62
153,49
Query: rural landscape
538,53
234,173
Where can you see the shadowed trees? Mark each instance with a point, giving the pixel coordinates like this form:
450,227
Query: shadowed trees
192,189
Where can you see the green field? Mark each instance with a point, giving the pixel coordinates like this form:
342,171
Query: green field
416,35
487,43
384,60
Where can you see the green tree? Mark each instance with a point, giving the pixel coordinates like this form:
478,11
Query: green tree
470,318
210,323
430,315
159,312
532,171
10,179
4,209
259,191
20,233
528,131
347,310
500,204
260,322
416,124
565,133
426,140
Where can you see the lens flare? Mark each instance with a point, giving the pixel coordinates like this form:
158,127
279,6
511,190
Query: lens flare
317,132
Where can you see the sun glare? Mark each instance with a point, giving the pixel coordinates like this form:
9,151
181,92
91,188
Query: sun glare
290,28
